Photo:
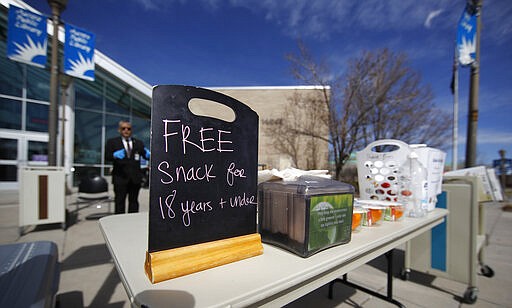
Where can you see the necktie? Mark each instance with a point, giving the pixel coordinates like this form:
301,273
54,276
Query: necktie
128,148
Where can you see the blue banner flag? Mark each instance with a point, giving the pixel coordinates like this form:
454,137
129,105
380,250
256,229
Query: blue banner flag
507,166
79,53
26,37
466,36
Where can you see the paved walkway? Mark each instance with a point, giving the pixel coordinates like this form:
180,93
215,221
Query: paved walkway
89,278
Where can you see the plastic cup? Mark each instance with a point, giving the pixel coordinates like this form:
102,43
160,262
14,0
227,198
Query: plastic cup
357,217
394,212
373,216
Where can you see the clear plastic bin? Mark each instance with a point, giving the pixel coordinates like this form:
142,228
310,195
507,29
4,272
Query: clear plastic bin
307,215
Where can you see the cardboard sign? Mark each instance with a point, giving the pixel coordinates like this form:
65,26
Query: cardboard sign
203,184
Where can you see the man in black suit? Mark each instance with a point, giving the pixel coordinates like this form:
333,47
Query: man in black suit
125,152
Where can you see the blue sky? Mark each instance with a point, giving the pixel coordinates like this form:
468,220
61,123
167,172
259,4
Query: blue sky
243,43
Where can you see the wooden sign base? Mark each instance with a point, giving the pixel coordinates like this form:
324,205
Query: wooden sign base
172,263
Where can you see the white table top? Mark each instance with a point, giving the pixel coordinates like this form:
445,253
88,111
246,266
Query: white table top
275,278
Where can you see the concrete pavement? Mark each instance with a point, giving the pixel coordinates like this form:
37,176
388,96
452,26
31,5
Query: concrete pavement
89,278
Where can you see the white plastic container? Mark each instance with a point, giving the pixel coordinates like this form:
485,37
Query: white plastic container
379,167
383,165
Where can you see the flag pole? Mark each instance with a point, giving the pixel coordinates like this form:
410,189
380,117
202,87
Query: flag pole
455,109
473,93
57,7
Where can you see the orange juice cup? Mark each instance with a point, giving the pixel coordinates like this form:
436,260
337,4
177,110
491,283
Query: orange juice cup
373,216
394,212
357,216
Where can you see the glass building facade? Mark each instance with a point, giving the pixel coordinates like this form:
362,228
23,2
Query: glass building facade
92,112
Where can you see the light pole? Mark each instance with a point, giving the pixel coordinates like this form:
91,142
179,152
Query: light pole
65,80
503,170
455,81
473,94
57,7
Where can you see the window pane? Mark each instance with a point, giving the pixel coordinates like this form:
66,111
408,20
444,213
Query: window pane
10,113
11,73
8,149
37,151
141,108
141,129
38,81
112,124
8,173
37,117
89,94
88,137
118,101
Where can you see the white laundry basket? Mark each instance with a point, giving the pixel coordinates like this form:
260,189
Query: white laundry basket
379,167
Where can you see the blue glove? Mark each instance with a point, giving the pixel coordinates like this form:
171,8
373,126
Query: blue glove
147,153
119,154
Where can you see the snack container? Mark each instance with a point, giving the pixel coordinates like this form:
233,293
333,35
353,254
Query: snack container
305,215
373,216
394,212
357,217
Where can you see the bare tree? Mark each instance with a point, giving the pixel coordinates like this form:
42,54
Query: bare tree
393,102
301,131
378,97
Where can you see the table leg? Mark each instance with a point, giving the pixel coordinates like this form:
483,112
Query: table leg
388,297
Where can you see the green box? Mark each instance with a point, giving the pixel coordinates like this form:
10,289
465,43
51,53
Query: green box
307,215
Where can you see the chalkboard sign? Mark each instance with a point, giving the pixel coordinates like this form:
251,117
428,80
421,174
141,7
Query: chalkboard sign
203,182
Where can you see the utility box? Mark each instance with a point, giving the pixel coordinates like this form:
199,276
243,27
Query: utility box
42,196
455,248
